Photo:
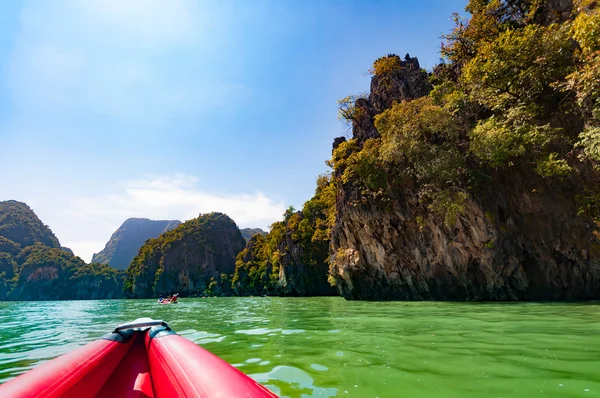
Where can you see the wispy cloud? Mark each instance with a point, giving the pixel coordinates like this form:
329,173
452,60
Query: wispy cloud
87,222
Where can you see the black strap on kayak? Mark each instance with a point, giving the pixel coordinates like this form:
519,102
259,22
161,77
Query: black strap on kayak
142,325
159,331
122,336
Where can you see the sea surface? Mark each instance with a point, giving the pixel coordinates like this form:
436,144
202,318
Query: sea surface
329,347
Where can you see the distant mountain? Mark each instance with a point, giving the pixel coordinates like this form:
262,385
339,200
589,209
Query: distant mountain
33,265
247,233
197,257
125,243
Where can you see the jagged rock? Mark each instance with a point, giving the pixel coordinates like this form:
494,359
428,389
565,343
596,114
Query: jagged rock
516,245
338,141
554,11
519,238
407,82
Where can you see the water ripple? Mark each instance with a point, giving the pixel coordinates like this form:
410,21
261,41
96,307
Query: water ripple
328,347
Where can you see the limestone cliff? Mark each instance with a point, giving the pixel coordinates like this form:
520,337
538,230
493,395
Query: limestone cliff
126,241
299,275
197,257
282,263
53,274
496,220
292,259
33,265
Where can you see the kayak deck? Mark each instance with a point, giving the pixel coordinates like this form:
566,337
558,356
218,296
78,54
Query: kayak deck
132,377
145,359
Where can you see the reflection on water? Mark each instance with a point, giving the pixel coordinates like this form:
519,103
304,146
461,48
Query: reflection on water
327,347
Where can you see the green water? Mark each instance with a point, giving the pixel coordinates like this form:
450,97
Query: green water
328,347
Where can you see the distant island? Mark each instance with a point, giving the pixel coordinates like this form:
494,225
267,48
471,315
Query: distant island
478,180
248,233
33,265
125,243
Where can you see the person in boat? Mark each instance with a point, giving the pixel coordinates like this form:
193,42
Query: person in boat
160,300
174,298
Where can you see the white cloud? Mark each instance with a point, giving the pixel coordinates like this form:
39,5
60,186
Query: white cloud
86,223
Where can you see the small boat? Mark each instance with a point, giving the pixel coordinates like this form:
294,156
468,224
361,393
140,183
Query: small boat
144,358
172,300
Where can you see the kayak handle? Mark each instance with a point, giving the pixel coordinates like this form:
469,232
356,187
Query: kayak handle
142,324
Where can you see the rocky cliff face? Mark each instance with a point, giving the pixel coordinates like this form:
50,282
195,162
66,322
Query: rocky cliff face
125,243
299,276
196,256
53,274
513,245
33,265
518,237
284,265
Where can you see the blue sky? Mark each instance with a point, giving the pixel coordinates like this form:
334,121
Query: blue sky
167,109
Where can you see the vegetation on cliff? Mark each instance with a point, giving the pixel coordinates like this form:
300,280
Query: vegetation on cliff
46,273
197,257
292,259
504,135
518,93
125,243
33,265
21,225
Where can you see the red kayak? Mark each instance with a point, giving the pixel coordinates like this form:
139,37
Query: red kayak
144,358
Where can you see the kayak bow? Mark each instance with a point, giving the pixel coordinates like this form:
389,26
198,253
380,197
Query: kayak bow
144,358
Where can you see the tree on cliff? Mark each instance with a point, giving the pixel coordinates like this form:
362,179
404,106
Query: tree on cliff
518,93
33,265
187,259
505,135
292,259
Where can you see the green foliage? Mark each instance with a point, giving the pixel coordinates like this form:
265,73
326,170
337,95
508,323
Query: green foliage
388,64
365,166
331,280
489,244
553,166
448,204
258,265
45,273
518,67
342,153
589,203
21,225
347,109
590,143
186,258
501,141
33,266
518,93
125,242
583,81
